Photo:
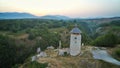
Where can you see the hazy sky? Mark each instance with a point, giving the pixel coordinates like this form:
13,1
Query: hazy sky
71,8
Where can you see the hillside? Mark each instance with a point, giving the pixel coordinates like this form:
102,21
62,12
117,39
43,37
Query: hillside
85,60
55,17
113,26
16,15
21,38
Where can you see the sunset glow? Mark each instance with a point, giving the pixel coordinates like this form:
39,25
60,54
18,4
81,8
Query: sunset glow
71,8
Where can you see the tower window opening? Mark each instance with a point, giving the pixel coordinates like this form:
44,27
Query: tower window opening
75,37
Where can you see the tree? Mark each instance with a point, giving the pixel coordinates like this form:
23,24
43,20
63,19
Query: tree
31,36
107,40
7,52
117,52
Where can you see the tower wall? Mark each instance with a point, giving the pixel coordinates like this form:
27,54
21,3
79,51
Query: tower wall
75,44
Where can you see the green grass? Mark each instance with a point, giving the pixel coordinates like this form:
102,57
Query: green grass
35,64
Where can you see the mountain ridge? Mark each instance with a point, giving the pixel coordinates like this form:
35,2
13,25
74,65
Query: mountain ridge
18,15
15,15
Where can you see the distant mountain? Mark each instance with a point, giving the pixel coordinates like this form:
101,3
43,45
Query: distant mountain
56,17
16,15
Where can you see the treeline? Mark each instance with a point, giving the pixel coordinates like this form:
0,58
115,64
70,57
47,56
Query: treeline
22,24
113,23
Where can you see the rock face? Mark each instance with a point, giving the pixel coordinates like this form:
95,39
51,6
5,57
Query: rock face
103,55
42,54
75,42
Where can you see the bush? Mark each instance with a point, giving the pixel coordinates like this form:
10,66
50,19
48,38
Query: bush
31,36
107,40
117,52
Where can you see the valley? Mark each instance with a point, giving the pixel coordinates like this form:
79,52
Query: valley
19,39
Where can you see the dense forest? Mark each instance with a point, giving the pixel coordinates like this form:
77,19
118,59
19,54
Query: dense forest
20,38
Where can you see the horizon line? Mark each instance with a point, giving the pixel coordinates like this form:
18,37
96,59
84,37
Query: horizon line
89,17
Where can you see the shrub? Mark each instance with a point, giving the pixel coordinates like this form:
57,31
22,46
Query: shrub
117,52
31,36
107,40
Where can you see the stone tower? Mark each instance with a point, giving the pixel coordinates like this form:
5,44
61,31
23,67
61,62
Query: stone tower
75,41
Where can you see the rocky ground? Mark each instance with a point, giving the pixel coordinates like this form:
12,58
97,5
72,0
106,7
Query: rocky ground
85,60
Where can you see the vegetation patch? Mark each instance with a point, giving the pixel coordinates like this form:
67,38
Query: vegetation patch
107,40
35,64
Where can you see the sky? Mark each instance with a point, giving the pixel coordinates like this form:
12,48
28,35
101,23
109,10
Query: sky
71,8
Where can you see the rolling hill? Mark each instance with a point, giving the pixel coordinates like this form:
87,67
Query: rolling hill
17,15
